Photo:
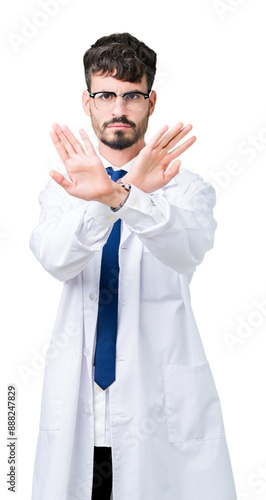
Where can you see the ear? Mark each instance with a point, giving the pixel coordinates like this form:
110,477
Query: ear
152,99
86,102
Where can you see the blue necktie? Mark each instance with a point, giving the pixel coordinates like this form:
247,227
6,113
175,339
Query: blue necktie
105,351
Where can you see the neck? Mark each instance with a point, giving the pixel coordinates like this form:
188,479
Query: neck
119,158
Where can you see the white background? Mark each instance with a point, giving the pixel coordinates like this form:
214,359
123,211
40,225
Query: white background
211,73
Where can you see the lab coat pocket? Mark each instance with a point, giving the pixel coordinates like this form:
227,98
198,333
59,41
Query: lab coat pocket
54,389
193,409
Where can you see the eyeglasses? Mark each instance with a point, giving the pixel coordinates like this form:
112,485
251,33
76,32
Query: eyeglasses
133,101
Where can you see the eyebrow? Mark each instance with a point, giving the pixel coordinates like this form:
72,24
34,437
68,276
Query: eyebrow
126,92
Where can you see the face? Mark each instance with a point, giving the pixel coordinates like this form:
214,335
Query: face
118,128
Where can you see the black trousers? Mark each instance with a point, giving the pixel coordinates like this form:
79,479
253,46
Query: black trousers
102,473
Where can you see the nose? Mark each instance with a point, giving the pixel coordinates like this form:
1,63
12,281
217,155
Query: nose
119,108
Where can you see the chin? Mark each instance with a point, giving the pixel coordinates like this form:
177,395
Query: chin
119,141
118,145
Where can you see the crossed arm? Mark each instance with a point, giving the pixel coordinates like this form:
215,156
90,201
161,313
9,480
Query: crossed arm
89,179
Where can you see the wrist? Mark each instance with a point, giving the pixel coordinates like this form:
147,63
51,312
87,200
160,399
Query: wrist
117,197
131,179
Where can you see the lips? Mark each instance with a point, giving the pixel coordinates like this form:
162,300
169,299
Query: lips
119,125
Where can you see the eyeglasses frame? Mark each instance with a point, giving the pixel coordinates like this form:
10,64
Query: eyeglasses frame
146,96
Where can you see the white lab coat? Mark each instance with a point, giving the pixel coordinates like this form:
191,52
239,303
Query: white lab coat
167,433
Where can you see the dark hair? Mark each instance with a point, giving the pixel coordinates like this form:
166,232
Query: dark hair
121,55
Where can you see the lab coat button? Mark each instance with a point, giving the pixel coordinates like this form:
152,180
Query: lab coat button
88,410
93,296
86,351
111,217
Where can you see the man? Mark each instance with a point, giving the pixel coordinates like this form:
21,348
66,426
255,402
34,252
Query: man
129,402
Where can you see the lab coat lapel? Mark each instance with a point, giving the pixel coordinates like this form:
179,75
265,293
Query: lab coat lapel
126,235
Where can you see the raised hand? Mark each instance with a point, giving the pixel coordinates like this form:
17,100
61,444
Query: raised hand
89,179
148,171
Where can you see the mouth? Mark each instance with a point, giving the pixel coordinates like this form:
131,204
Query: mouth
120,126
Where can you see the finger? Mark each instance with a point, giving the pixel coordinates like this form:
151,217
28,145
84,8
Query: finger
170,135
84,136
73,140
64,140
177,137
60,179
172,171
180,149
156,138
59,146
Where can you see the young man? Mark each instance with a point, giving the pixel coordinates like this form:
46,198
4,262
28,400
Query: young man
129,402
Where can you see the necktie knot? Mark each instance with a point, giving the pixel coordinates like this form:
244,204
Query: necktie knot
115,174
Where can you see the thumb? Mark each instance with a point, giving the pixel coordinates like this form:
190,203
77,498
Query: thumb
60,179
172,171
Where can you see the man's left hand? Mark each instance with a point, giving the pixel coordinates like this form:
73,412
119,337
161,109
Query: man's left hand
148,171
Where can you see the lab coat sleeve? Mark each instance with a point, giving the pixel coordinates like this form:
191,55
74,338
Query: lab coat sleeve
69,232
175,223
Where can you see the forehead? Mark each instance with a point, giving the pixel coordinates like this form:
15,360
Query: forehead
102,82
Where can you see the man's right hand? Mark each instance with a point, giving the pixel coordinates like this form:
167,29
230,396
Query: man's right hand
89,179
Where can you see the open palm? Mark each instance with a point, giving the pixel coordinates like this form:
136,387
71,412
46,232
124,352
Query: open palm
88,177
149,171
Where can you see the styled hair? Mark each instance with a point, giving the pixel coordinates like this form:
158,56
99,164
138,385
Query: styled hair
122,56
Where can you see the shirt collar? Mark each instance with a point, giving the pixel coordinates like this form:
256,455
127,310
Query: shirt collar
107,163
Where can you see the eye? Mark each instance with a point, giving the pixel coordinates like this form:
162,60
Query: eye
133,96
105,96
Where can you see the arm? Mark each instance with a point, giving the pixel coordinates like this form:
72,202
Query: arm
74,224
172,214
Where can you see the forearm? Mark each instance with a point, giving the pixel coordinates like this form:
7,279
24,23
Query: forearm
175,224
69,233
